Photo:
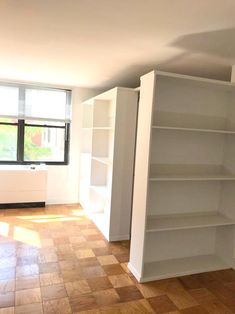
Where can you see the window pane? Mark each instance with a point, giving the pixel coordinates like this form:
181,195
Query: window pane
9,101
47,104
8,142
43,144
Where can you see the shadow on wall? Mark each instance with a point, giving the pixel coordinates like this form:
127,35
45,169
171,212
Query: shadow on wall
206,54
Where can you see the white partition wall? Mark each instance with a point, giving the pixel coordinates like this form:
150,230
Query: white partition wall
184,187
107,160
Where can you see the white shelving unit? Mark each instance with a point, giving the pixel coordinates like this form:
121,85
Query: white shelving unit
107,160
184,189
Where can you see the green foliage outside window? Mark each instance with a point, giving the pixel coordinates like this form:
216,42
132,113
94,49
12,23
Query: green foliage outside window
32,151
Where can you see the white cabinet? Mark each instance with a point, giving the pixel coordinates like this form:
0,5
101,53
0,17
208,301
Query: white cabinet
107,160
184,187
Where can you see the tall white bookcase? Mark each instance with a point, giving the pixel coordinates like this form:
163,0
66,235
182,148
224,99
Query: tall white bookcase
107,160
184,188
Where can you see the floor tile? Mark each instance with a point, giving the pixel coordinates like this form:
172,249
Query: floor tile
28,296
114,269
84,253
162,304
76,288
27,282
194,310
90,261
83,302
53,292
7,285
7,273
7,299
7,310
57,306
27,270
129,293
48,267
99,283
93,271
96,244
48,279
72,275
35,308
107,260
106,297
120,280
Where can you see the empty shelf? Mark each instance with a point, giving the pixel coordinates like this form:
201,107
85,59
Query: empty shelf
193,129
104,160
182,266
209,177
186,221
102,190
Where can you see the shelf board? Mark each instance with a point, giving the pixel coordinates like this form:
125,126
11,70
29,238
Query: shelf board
182,266
193,129
186,221
200,81
103,160
102,190
209,177
108,128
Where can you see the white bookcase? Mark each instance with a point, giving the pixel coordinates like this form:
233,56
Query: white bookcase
184,188
107,160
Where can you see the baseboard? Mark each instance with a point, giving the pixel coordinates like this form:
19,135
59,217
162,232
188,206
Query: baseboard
134,272
22,205
119,238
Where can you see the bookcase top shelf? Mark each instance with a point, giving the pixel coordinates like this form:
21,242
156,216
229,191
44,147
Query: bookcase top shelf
200,81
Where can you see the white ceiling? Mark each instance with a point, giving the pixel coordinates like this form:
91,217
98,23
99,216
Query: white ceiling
103,43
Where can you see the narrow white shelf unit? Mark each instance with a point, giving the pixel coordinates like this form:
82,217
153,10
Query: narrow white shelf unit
107,160
183,219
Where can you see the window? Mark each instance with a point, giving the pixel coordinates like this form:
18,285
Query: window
34,125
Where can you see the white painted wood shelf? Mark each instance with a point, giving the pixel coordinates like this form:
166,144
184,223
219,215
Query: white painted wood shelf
106,175
184,167
102,190
104,128
104,160
186,221
172,128
182,266
200,177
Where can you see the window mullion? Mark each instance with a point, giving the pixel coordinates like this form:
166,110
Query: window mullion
20,142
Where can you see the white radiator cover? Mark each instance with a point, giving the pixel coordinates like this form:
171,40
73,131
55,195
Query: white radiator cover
22,184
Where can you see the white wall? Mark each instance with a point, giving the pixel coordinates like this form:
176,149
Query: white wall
63,181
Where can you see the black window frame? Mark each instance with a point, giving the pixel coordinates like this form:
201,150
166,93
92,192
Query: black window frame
22,123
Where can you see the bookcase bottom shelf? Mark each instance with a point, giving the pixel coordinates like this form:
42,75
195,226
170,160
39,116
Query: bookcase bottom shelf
182,266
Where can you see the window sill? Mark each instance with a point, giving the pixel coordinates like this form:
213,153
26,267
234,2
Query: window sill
23,167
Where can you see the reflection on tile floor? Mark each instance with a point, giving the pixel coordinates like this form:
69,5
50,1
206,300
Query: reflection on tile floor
54,260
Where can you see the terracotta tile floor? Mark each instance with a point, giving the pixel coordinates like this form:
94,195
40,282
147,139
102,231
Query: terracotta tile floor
54,260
